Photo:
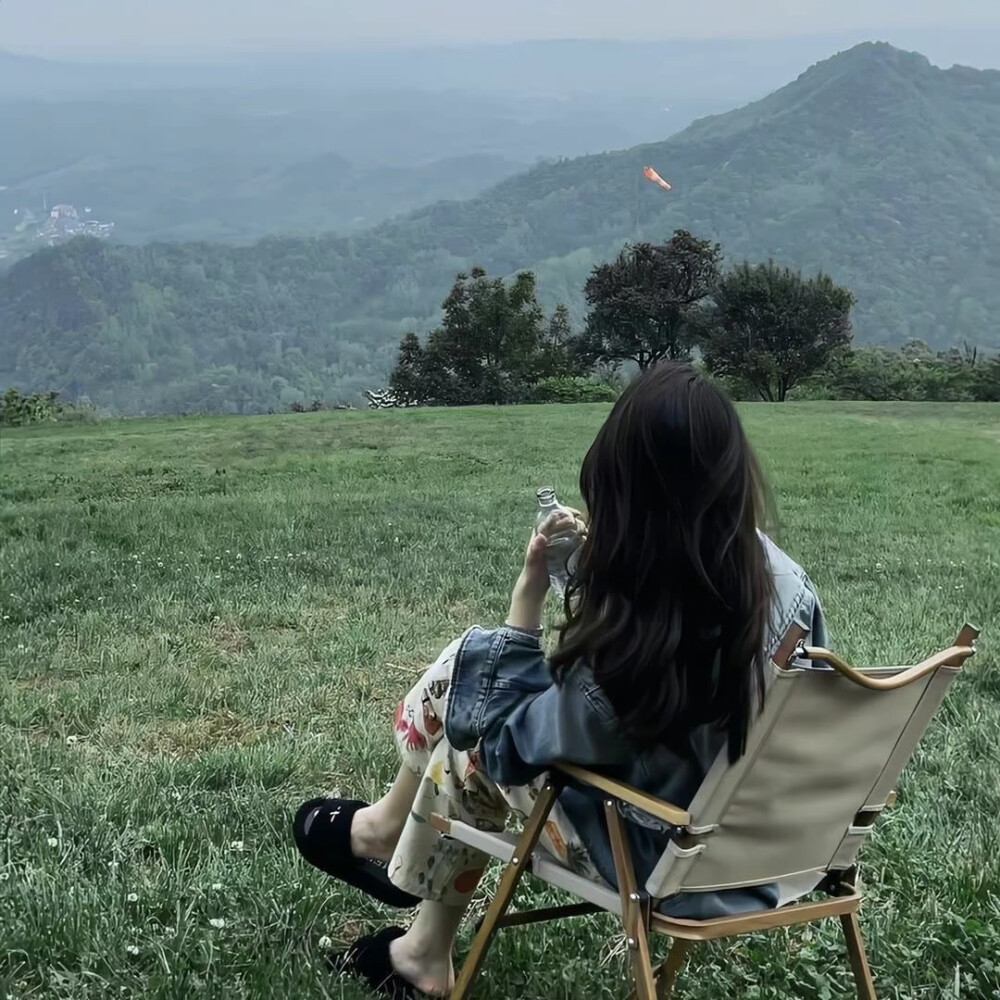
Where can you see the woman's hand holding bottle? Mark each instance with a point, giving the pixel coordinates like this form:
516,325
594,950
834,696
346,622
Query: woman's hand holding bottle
532,585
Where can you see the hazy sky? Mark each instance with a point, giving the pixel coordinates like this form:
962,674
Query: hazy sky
58,27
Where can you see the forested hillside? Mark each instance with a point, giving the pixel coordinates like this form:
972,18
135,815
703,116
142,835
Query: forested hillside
874,166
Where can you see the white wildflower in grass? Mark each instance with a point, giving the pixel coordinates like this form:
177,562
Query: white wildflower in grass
133,897
236,845
216,886
218,923
53,842
132,949
325,943
70,740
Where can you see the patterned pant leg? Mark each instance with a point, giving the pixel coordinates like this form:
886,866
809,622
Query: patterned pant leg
428,864
425,863
419,722
453,785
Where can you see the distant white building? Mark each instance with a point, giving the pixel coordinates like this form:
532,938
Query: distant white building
64,222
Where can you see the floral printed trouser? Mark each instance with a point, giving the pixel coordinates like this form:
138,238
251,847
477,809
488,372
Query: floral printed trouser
453,784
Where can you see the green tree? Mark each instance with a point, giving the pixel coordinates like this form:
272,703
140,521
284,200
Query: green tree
772,328
913,372
559,357
18,409
643,303
988,381
560,329
406,378
488,348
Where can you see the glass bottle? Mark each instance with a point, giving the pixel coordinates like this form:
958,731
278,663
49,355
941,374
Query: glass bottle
563,545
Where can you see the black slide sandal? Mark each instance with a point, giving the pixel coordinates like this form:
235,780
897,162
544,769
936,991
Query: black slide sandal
368,960
323,836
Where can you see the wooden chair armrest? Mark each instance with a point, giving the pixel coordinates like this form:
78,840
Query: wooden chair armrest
665,811
955,656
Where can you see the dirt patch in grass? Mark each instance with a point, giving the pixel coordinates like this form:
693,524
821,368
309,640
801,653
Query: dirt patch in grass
229,638
223,728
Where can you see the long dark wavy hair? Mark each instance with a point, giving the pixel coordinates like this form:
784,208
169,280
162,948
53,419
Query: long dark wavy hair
671,599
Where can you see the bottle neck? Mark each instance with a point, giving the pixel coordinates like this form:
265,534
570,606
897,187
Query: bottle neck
547,499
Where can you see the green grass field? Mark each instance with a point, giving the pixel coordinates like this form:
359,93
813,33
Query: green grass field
203,621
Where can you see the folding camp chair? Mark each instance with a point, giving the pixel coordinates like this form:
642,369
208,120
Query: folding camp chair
821,763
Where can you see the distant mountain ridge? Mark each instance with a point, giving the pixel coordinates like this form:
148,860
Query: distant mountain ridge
874,165
175,150
184,163
715,68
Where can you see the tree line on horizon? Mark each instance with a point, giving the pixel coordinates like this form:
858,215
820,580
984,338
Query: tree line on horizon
763,330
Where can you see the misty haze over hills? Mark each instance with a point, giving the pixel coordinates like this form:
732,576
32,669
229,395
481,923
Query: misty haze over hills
717,67
243,146
873,165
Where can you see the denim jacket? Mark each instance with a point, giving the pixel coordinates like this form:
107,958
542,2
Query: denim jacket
503,699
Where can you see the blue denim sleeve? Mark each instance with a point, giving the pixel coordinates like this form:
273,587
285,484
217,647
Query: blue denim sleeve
494,670
564,723
504,699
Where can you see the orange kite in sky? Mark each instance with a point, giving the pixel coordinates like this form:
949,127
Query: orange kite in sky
651,175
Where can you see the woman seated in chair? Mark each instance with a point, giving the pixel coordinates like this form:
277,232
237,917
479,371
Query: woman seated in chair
676,604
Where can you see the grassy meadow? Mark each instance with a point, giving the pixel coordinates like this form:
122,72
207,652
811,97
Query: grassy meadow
204,621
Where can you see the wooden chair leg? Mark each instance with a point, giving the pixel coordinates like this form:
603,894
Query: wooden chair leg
667,974
526,845
634,919
858,957
642,965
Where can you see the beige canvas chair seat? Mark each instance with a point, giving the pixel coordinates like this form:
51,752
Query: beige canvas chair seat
821,763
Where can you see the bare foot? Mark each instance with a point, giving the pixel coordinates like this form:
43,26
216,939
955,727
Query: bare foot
431,972
369,836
